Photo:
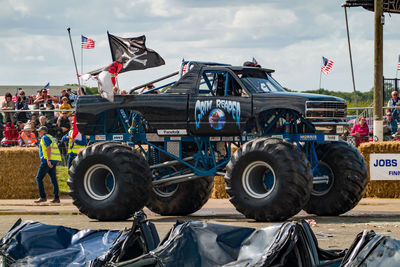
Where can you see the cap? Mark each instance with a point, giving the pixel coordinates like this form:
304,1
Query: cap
27,128
42,128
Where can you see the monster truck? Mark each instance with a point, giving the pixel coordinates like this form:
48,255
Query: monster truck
279,152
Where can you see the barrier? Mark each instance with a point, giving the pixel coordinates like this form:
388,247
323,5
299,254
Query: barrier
18,169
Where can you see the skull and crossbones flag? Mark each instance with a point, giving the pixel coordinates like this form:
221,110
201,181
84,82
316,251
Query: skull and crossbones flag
133,54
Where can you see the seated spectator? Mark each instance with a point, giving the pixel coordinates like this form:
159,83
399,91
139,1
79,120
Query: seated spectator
124,92
22,104
63,124
72,97
49,124
49,114
360,131
148,88
115,90
65,106
389,124
27,138
10,135
81,91
34,118
8,104
64,94
41,100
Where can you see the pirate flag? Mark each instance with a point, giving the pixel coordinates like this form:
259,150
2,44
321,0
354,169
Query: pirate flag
133,54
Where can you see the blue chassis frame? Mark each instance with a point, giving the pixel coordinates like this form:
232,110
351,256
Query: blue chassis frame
205,163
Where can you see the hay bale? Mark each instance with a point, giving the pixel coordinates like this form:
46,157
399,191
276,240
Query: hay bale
219,188
18,171
380,189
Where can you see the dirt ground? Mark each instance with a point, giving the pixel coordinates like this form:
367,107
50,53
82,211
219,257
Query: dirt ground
380,215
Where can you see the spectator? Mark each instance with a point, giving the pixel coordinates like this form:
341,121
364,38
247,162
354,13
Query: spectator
148,88
42,98
32,125
360,131
20,126
27,138
48,124
389,124
63,123
124,92
115,90
8,104
393,102
49,114
49,157
22,104
74,145
10,135
35,119
65,105
72,97
64,94
81,91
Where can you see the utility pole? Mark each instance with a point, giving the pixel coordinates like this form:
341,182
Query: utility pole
378,70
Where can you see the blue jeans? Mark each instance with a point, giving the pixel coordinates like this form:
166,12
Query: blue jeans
71,157
43,170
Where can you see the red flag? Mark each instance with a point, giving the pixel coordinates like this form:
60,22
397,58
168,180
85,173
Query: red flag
74,128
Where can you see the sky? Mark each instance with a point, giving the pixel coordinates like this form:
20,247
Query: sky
285,35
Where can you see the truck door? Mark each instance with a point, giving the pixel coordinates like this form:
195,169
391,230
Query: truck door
220,105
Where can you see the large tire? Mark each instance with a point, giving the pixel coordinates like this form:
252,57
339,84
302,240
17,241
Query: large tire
181,199
268,179
348,180
109,181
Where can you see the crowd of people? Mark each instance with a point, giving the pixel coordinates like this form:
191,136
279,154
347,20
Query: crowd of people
22,116
391,131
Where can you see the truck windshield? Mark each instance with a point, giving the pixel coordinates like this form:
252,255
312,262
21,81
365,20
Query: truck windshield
258,81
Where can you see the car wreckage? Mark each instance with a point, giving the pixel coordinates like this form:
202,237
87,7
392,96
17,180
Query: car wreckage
192,243
279,151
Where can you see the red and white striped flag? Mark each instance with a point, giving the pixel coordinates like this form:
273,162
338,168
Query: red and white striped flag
398,65
87,43
327,65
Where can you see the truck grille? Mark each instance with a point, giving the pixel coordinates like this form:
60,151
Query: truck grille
326,110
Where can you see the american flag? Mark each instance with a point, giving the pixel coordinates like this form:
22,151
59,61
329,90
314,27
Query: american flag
87,43
398,65
327,65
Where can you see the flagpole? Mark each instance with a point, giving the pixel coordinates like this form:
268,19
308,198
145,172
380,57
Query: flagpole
81,58
320,75
73,55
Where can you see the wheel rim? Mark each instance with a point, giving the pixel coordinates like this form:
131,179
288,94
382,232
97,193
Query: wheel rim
323,169
99,182
164,191
259,179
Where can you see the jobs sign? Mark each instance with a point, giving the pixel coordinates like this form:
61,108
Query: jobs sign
384,166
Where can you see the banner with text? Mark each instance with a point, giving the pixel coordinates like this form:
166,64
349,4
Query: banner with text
384,166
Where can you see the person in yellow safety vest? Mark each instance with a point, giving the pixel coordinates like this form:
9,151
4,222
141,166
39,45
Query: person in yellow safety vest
27,137
74,145
49,157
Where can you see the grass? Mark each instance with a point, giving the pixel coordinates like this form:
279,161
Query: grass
62,177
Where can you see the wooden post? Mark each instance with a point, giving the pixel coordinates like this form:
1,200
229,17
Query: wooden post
378,71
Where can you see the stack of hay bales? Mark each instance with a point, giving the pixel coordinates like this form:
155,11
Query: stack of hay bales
381,189
219,183
219,188
18,169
